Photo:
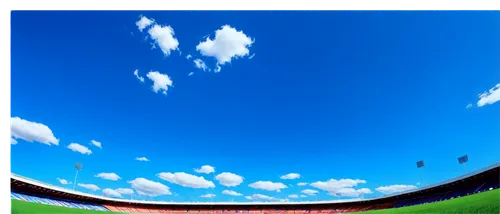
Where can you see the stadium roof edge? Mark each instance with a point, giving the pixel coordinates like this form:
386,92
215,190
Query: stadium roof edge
69,191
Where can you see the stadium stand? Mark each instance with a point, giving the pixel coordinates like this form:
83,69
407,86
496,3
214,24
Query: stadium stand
485,179
56,202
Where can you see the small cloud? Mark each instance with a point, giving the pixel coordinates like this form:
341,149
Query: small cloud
395,188
198,63
228,43
136,74
125,191
208,196
207,169
309,192
143,23
63,181
96,143
112,193
190,73
92,187
164,37
342,187
293,196
75,147
217,68
189,56
186,180
142,159
469,106
261,197
302,184
290,176
251,57
108,176
231,192
489,97
161,82
149,188
268,185
229,179
303,196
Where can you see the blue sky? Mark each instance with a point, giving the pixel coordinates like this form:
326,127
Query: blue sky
358,96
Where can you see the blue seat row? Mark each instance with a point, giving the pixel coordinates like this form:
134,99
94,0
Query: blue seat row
55,202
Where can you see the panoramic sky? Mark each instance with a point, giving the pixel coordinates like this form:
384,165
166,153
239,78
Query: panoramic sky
253,106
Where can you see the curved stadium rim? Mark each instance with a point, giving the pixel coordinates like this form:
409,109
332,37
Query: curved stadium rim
69,191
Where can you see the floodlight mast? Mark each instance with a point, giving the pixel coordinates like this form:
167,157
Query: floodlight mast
420,165
463,160
78,167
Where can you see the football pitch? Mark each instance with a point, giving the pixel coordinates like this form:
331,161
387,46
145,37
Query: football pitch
482,203
485,202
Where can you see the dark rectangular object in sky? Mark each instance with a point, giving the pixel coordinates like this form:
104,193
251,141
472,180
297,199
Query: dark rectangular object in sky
463,159
420,164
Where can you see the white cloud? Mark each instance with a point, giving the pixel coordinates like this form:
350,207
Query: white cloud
160,81
303,196
309,192
293,196
208,196
301,184
186,180
117,193
189,56
108,176
229,179
63,181
418,183
142,159
231,192
13,141
96,143
164,37
125,191
468,106
217,68
149,188
207,169
32,131
190,73
342,187
198,63
489,97
143,23
261,197
111,193
251,57
395,188
290,176
75,147
227,44
268,185
350,192
92,187
136,74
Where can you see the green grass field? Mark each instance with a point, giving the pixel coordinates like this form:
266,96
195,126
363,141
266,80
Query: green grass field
22,207
485,202
482,203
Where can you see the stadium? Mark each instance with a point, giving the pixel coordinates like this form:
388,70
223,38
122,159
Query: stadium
473,185
273,112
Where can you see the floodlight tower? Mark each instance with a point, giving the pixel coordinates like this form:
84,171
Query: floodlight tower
420,165
78,167
462,160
